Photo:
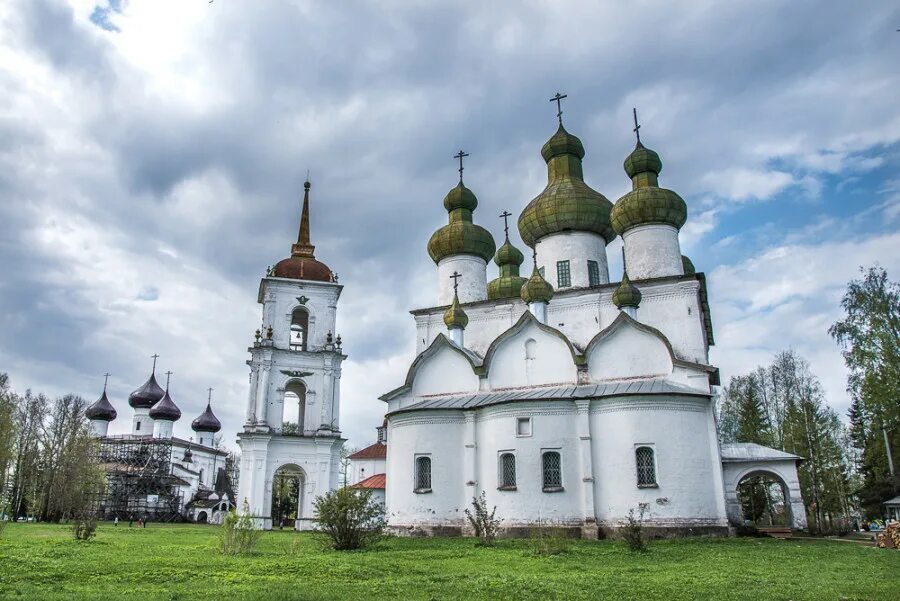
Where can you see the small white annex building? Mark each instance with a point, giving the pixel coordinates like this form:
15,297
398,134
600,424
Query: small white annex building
566,398
291,440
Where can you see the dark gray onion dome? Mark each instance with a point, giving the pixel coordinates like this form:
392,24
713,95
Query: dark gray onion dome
207,422
165,409
147,395
101,409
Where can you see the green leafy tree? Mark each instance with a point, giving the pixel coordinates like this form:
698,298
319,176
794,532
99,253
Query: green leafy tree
869,338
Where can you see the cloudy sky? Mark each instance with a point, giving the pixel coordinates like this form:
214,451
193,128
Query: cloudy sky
152,155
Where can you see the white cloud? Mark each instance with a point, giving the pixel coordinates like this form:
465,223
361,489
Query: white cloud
746,184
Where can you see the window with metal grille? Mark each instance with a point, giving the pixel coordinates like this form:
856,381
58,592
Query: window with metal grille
593,273
552,467
563,277
507,471
646,466
423,474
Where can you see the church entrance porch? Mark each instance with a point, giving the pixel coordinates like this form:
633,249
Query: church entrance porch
287,497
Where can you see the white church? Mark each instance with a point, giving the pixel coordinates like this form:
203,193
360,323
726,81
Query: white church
566,398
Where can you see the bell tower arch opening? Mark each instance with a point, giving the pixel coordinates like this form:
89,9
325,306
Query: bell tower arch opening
299,338
294,408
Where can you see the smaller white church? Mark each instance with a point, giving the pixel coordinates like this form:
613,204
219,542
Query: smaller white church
152,474
566,398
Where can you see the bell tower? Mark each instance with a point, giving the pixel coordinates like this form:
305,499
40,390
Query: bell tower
291,439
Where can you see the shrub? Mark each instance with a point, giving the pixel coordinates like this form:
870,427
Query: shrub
239,533
550,540
85,527
484,523
634,530
350,518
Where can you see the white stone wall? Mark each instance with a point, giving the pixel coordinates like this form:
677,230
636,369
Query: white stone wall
673,307
440,435
598,463
576,248
99,427
162,428
472,284
681,432
629,353
280,297
445,372
652,251
141,424
533,357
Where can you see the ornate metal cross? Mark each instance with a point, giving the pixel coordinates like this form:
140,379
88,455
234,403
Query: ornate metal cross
558,99
459,155
168,375
505,215
105,380
455,277
637,128
154,357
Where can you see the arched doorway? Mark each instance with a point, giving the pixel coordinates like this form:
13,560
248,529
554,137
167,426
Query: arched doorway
294,408
201,517
764,500
287,496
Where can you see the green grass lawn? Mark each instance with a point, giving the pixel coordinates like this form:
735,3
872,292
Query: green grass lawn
39,561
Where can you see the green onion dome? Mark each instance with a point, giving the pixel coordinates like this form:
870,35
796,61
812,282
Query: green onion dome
537,288
460,236
455,317
688,265
647,202
626,294
567,203
509,284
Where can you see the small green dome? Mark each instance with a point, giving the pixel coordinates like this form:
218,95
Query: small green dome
460,197
647,202
642,160
536,288
508,254
688,266
455,317
626,294
460,236
567,203
509,283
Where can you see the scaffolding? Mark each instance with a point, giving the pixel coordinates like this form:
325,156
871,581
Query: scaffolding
139,480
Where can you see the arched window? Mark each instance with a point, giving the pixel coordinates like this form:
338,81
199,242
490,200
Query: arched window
299,329
507,471
423,474
530,345
552,471
201,476
294,408
646,466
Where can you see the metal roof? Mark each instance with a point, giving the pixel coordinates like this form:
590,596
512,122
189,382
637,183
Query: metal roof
750,451
570,392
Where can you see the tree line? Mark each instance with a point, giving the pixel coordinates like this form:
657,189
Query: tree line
846,470
48,466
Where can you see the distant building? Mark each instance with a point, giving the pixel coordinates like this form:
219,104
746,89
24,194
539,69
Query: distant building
154,475
369,465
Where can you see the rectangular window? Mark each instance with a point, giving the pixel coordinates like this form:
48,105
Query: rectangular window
563,277
646,467
507,471
523,426
423,474
551,464
593,273
137,427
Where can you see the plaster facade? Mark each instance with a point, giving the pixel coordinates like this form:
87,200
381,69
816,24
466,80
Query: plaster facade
472,283
652,251
577,248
